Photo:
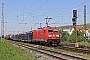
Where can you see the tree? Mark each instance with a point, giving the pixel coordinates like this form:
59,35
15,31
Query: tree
80,36
64,36
72,37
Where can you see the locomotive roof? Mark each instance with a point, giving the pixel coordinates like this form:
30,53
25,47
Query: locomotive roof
51,27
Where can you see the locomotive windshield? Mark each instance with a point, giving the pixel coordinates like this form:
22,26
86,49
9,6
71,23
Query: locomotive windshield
56,31
50,30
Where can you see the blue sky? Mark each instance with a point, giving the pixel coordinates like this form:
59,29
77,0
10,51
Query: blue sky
33,12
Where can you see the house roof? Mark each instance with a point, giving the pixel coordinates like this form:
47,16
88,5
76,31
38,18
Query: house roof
82,28
89,30
79,27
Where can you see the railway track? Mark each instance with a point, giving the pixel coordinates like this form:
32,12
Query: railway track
53,54
85,50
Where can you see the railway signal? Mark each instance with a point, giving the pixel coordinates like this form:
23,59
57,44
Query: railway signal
74,19
74,13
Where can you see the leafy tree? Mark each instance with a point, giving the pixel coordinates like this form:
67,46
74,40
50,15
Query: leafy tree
64,36
80,36
88,38
72,37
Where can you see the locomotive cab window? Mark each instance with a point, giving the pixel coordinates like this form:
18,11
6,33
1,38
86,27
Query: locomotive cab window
56,31
50,30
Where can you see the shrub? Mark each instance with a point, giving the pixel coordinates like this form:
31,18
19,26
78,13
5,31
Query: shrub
72,37
64,36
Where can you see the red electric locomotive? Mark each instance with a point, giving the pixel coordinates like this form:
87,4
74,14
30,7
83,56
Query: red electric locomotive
50,35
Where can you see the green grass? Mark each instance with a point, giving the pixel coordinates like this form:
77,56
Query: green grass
84,43
10,52
80,43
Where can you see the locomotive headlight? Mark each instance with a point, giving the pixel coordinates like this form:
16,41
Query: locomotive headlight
49,35
57,35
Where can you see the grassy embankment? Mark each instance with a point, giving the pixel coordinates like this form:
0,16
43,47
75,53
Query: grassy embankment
85,43
10,52
80,43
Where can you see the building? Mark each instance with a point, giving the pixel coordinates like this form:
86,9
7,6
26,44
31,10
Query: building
80,28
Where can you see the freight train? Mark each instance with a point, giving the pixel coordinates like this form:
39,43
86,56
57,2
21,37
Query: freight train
46,35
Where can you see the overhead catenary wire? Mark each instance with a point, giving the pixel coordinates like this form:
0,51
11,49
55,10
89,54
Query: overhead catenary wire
73,7
50,11
31,5
35,10
57,14
60,6
20,10
27,9
16,9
